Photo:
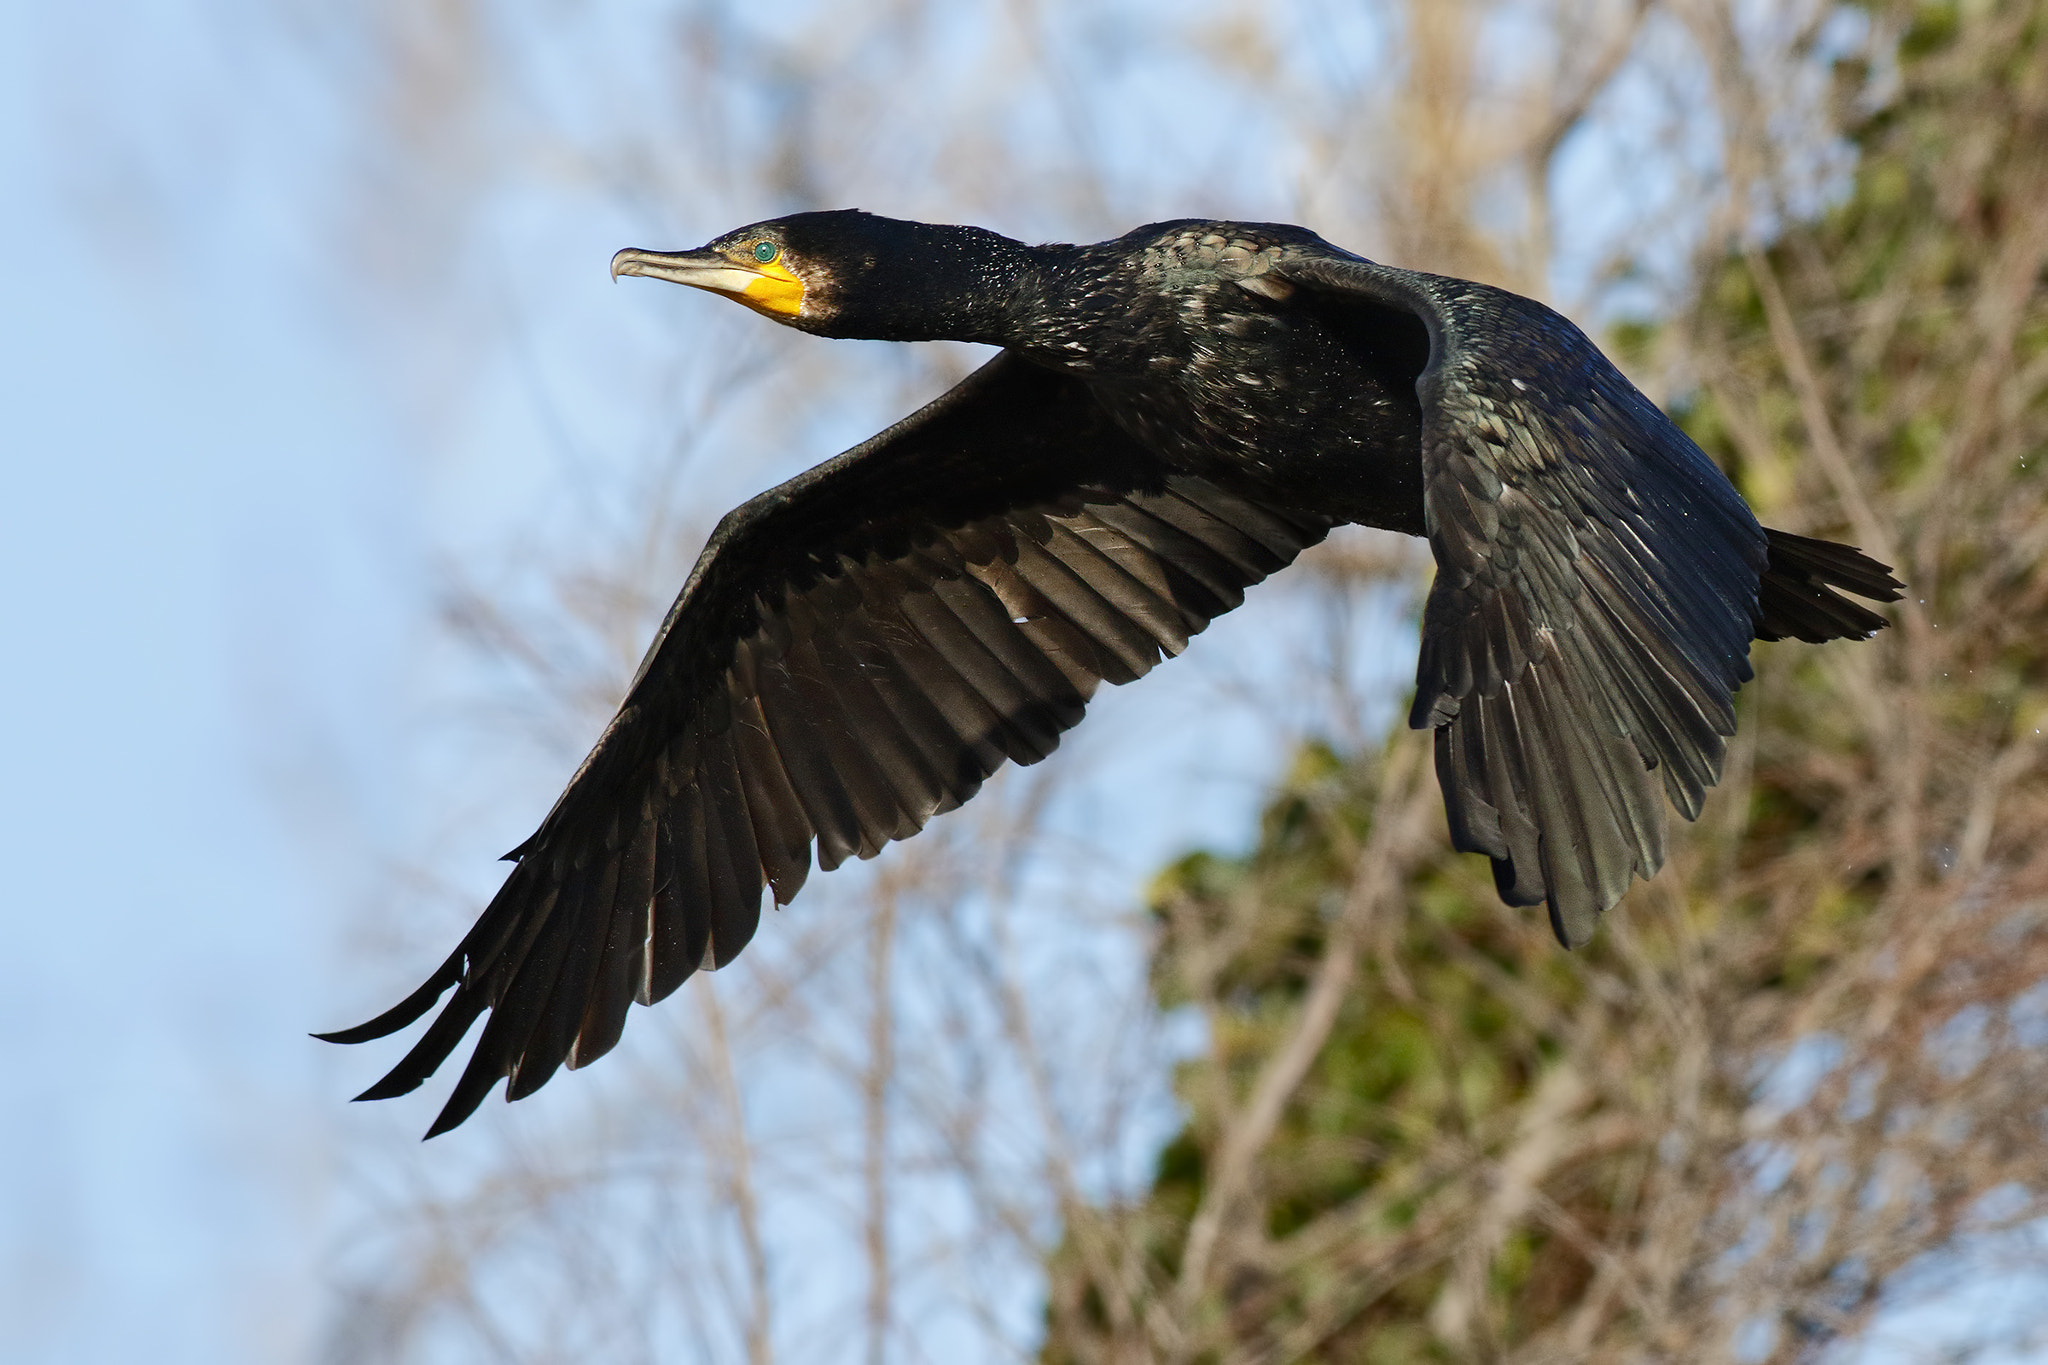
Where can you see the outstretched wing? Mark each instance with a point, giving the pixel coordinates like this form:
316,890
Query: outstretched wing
854,653
1595,596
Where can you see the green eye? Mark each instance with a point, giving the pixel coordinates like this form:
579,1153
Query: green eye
764,252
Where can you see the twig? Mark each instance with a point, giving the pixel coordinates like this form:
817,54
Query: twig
1397,825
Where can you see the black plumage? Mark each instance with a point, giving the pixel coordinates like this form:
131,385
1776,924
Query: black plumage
1175,415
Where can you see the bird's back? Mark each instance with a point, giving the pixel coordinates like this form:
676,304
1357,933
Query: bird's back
1209,362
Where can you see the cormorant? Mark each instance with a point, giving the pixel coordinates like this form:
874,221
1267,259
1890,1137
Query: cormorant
1174,415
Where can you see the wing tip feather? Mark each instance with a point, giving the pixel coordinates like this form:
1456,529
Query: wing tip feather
405,1011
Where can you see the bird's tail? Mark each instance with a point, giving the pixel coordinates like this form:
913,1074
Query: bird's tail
1796,599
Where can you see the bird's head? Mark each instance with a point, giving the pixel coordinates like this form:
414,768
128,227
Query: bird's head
845,273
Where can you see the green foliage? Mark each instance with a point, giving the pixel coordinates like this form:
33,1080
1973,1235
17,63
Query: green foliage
1434,1044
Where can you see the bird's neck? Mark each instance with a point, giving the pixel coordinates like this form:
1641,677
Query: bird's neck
958,284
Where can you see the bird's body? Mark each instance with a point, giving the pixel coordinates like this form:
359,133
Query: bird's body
1175,415
1212,378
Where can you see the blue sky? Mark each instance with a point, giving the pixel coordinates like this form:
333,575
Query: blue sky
207,584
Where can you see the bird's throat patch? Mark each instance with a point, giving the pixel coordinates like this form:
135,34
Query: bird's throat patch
774,291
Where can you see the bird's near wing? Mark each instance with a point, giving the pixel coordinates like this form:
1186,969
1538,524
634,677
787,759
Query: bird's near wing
1595,597
854,653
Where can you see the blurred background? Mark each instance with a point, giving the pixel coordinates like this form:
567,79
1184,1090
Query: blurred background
343,490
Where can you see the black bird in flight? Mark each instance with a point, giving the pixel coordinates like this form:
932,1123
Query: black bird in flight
1174,415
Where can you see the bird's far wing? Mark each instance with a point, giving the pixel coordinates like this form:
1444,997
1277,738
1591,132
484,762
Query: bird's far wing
854,653
1595,594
